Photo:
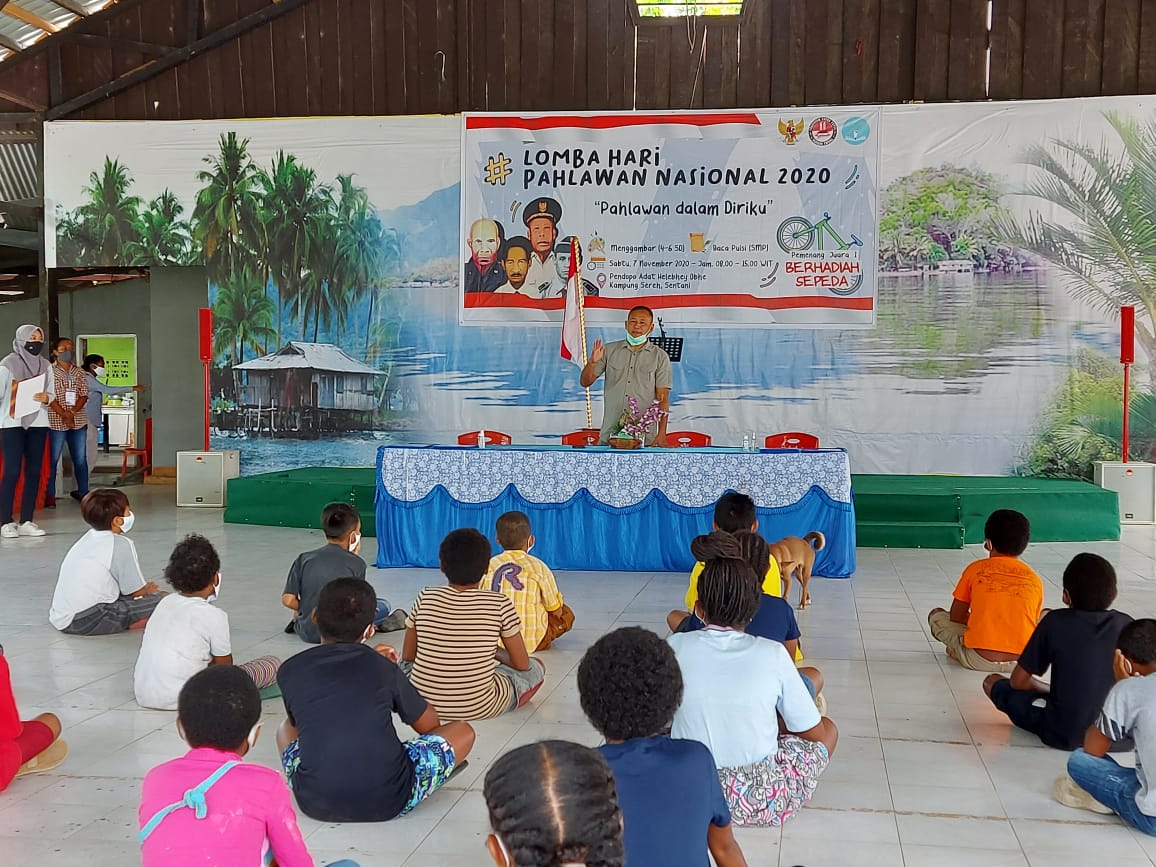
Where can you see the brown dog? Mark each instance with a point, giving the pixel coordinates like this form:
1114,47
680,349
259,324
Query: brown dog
795,555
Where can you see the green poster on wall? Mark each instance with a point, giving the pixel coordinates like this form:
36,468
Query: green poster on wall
119,357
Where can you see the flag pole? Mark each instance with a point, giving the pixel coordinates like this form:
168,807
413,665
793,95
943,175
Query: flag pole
576,254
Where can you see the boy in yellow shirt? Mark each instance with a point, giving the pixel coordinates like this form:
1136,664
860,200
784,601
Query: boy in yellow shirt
528,583
732,513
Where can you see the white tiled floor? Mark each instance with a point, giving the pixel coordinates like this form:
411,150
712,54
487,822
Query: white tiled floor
927,772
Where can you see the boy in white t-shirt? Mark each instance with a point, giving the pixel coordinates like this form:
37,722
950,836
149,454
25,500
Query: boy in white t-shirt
187,632
767,772
100,590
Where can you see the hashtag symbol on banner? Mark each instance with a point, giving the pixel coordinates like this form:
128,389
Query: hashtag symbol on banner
498,169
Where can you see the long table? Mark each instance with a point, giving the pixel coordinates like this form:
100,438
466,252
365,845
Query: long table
606,509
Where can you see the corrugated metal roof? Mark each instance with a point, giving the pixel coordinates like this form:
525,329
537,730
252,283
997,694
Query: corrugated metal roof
18,161
22,22
310,356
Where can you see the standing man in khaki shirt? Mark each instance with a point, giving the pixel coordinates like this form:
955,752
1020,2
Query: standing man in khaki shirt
633,367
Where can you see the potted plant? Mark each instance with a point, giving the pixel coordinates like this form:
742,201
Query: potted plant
635,424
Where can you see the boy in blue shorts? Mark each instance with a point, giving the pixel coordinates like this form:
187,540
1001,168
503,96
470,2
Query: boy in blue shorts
341,754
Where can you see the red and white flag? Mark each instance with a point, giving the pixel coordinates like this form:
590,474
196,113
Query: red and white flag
572,337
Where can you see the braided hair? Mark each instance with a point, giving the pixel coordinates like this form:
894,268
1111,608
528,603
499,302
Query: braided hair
728,588
554,803
755,550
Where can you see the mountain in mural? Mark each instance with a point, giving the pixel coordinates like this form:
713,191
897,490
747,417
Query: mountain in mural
428,229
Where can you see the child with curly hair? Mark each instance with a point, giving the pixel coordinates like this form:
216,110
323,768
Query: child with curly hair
187,632
673,807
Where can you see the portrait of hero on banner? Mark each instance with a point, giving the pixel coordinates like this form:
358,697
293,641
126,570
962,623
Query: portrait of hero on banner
761,218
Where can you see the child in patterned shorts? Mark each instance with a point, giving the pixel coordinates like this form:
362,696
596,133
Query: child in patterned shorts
766,776
339,749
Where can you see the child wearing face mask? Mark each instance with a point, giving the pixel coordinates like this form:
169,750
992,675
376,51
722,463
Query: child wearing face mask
337,558
101,590
528,583
339,749
210,806
187,632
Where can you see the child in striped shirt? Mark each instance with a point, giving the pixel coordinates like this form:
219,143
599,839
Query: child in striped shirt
452,632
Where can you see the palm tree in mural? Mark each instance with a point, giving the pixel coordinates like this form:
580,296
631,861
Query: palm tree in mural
163,237
75,241
387,243
109,214
225,213
242,315
328,294
297,207
1106,244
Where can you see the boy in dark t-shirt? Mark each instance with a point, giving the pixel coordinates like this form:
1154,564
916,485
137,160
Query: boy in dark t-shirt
339,749
339,557
1077,643
673,809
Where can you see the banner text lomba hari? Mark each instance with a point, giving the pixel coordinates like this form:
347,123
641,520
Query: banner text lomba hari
628,167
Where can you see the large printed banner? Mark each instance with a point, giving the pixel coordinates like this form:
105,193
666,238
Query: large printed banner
1008,235
755,218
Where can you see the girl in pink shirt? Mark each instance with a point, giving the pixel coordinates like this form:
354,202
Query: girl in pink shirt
208,807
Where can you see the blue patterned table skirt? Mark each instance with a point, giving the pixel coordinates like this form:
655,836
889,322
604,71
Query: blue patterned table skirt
600,509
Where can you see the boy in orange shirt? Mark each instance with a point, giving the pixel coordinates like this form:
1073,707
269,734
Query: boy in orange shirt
996,604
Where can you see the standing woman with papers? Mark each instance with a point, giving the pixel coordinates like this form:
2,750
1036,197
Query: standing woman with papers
23,428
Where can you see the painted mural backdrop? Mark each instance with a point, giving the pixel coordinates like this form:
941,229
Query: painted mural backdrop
1008,235
737,218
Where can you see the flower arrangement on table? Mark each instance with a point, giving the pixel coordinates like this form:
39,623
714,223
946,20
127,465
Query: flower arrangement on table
635,424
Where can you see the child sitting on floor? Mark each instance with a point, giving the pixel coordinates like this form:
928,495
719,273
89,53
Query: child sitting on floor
338,745
208,806
452,632
744,698
528,583
101,590
733,512
337,558
26,746
1095,781
187,632
775,618
552,803
996,604
673,809
1077,643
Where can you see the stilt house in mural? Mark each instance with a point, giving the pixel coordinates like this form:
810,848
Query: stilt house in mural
306,389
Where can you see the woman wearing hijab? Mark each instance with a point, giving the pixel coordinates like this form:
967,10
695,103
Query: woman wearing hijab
22,438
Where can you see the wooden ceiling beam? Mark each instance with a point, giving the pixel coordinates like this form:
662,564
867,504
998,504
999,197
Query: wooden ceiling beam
175,58
30,18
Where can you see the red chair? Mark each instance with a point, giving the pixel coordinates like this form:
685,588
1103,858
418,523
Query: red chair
144,456
493,438
681,439
579,438
792,440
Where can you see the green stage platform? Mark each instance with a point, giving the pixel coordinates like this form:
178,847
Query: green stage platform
891,511
295,498
950,511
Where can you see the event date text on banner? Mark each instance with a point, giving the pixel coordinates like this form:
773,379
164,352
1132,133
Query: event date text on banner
758,218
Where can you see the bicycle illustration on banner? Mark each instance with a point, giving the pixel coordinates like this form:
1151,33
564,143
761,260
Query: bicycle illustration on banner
798,235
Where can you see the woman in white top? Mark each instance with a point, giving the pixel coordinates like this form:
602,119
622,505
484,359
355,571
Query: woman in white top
23,438
744,698
93,370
